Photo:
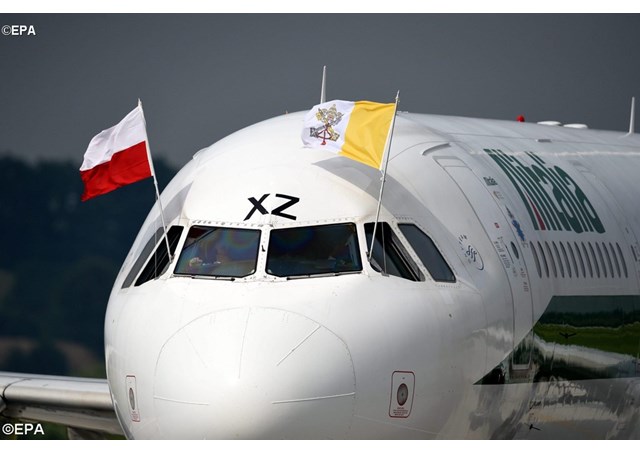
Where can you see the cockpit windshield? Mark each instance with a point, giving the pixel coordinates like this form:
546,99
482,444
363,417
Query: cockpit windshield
219,252
314,250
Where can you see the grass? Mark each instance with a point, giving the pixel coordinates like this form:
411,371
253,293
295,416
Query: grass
622,340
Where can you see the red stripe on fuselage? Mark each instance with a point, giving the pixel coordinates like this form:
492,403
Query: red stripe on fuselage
537,214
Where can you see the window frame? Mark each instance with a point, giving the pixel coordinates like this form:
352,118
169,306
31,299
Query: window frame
356,244
400,248
234,227
146,274
140,262
435,248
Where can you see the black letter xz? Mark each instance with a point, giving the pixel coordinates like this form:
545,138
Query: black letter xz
279,211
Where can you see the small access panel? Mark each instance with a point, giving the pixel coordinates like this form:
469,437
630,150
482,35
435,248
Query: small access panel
402,389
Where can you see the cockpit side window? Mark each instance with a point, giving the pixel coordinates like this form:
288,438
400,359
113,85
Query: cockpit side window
428,253
389,255
142,258
159,261
314,250
219,252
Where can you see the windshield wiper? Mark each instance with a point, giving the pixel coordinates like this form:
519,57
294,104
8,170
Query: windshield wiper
206,277
323,274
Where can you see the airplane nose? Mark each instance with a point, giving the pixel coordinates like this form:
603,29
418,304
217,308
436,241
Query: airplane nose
255,373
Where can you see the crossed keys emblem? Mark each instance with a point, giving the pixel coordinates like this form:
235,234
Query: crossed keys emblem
329,118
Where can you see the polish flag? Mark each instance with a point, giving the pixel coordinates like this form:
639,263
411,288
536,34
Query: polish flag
116,157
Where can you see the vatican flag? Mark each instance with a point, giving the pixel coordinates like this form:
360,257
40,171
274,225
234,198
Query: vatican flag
357,130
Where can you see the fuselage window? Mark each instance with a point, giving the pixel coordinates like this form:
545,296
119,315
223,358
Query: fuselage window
566,260
389,255
594,259
535,259
608,259
582,268
553,263
544,260
558,259
428,253
219,252
586,257
573,260
159,261
601,260
314,250
615,260
624,263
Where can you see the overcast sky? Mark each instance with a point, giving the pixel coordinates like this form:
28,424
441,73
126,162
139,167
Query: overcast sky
202,77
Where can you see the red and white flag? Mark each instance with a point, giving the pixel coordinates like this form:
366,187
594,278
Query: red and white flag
116,157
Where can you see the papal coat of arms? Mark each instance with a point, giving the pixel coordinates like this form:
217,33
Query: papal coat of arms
329,118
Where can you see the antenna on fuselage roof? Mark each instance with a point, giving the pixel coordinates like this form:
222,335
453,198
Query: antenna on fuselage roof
323,88
632,120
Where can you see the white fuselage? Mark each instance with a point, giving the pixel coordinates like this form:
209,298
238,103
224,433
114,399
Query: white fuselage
496,353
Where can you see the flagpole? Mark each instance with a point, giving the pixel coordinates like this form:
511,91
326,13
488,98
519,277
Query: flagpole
155,182
384,173
323,88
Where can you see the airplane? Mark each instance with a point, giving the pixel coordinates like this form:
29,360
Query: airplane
501,299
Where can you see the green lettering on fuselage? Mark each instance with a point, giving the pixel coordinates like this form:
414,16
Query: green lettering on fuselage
553,200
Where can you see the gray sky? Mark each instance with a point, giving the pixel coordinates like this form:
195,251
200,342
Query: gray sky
202,77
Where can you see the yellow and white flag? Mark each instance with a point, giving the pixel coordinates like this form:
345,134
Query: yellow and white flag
357,130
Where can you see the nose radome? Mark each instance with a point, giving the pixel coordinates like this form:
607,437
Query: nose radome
254,373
